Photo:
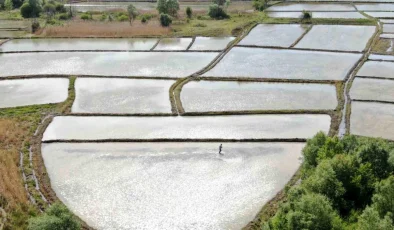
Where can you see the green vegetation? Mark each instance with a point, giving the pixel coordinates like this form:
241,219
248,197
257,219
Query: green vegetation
260,5
217,12
8,5
346,184
31,9
189,12
170,7
56,217
165,20
132,13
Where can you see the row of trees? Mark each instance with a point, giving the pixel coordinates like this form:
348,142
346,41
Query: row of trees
346,184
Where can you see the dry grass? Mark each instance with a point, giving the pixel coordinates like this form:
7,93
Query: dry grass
104,29
12,135
382,46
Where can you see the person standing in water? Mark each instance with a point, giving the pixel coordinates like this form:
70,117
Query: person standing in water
220,149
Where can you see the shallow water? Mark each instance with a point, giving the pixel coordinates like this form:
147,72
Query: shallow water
375,7
388,36
372,119
337,37
388,21
388,28
311,7
284,64
173,44
377,69
381,14
236,96
381,57
150,64
169,185
24,92
105,95
344,15
78,44
211,43
372,89
273,35
200,127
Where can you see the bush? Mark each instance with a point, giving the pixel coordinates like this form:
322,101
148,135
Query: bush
217,12
60,8
49,9
86,16
260,5
189,12
56,217
26,10
17,3
144,20
122,18
165,20
63,16
170,7
35,25
132,12
8,5
30,9
200,25
103,17
306,15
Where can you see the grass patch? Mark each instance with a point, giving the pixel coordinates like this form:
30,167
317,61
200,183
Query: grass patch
382,46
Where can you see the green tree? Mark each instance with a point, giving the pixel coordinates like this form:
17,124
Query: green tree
56,217
383,199
49,9
370,220
165,20
217,12
31,9
132,13
189,12
8,5
377,154
170,7
310,152
260,5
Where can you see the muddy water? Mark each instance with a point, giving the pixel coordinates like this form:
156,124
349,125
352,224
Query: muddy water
169,185
201,127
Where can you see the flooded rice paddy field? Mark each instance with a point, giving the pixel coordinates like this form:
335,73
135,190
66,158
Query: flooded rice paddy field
14,24
341,15
211,43
110,95
311,7
337,37
375,7
169,185
281,35
372,119
388,28
139,64
377,69
58,44
387,36
14,93
245,62
380,14
372,89
174,44
13,33
378,57
237,127
201,96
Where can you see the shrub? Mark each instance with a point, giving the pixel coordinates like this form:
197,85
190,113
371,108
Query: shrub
86,16
200,25
17,3
133,12
63,16
55,217
103,17
8,5
26,10
30,9
170,7
260,5
60,8
189,12
35,25
49,9
217,12
144,20
165,20
123,18
306,15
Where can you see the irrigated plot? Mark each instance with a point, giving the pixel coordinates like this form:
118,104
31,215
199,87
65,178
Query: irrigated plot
388,28
199,127
173,44
377,69
337,37
311,7
372,89
381,57
381,14
104,95
343,15
372,119
15,93
169,185
281,35
78,44
140,64
211,43
388,36
284,64
375,7
12,33
388,21
237,96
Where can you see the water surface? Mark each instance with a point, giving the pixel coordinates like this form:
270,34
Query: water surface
187,127
344,15
104,95
174,44
375,7
139,64
211,43
284,64
24,92
372,89
282,35
377,69
311,7
237,96
337,37
388,28
169,185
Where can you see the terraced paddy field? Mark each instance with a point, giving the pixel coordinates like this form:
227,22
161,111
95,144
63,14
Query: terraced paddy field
137,140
